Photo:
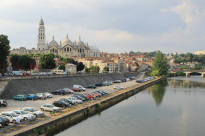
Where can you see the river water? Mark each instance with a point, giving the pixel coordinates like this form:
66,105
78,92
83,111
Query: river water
175,107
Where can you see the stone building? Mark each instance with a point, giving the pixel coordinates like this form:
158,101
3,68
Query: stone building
66,49
71,69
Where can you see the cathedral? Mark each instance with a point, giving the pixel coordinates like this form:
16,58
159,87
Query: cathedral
66,49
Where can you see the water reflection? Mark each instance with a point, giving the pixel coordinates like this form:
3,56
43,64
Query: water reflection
185,84
158,91
181,114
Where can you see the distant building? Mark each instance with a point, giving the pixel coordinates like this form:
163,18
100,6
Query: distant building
66,49
71,69
199,52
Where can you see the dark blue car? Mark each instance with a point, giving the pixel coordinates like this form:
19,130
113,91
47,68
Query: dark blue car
32,97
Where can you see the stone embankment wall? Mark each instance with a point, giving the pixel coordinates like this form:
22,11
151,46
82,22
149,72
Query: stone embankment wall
59,123
46,84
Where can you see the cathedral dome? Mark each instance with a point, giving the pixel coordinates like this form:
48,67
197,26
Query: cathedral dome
67,41
53,43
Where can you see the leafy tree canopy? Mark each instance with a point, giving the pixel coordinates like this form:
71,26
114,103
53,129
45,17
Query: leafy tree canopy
4,52
47,61
25,62
160,66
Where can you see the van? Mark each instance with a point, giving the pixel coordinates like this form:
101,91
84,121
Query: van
17,73
79,87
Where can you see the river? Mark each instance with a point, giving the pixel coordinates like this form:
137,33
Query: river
175,107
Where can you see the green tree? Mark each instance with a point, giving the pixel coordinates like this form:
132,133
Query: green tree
160,66
4,52
80,66
197,66
94,69
106,69
87,70
47,61
62,67
25,62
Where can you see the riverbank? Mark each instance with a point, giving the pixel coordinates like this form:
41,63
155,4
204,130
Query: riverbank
73,115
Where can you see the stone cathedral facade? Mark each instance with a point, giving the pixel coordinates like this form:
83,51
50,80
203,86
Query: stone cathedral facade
67,48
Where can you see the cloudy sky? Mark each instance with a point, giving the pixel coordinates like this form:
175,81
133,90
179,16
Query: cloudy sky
110,25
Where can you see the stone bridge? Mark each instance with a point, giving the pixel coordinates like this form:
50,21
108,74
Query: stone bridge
188,72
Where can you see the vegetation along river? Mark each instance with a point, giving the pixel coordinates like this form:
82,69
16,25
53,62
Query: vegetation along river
175,107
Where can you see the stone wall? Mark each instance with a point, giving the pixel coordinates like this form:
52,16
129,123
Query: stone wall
36,85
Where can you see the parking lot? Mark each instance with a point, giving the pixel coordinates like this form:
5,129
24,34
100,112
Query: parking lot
18,105
14,104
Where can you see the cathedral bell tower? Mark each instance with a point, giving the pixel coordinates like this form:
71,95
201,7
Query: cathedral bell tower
41,36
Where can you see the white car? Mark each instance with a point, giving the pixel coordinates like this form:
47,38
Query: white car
50,107
13,117
118,87
48,95
79,87
75,100
41,96
25,114
33,111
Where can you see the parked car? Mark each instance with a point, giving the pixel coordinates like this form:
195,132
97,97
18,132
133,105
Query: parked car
61,104
99,84
102,92
81,95
35,112
13,117
26,115
107,83
139,81
77,90
75,100
90,96
79,87
124,80
48,95
118,87
32,97
60,92
67,101
4,121
17,73
68,91
95,92
41,96
20,97
50,107
91,86
132,78
3,103
117,81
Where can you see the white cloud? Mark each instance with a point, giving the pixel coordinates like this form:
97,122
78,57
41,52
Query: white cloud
119,25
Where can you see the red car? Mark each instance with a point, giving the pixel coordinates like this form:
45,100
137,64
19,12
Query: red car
90,96
76,90
95,95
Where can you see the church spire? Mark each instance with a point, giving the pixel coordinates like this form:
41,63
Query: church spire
53,38
79,39
41,21
66,37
